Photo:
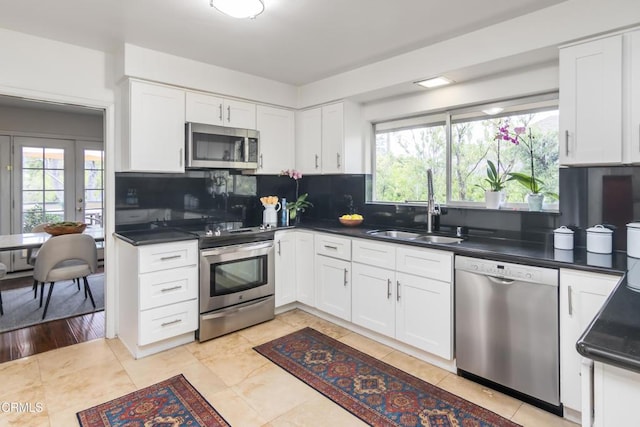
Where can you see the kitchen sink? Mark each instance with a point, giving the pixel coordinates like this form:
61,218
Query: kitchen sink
394,234
437,239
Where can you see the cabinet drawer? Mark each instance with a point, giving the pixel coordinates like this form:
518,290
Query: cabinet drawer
167,255
167,287
425,262
169,321
381,255
333,246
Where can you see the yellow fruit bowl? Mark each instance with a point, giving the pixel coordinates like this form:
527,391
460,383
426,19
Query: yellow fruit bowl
350,222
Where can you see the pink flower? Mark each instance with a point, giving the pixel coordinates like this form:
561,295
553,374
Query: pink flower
292,173
519,130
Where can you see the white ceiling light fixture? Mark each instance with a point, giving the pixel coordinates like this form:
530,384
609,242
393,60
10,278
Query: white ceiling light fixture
435,82
239,8
493,111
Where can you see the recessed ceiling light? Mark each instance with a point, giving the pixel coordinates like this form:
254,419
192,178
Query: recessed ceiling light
493,110
435,82
239,8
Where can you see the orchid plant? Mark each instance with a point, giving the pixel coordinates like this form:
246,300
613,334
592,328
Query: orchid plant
301,202
496,178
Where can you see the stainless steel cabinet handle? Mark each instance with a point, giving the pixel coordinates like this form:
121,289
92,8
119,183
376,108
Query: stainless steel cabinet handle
566,142
173,288
173,322
181,157
220,112
261,162
316,161
397,290
338,159
388,288
345,276
335,248
570,298
229,113
167,258
279,249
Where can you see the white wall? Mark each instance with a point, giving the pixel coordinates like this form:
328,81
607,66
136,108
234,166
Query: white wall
553,26
53,123
161,67
531,81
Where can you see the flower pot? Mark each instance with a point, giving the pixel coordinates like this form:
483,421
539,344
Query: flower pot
535,202
493,199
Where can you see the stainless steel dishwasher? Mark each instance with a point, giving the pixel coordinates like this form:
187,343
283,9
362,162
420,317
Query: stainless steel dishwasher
507,328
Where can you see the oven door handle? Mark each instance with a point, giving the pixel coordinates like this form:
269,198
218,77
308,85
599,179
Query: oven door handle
237,248
235,309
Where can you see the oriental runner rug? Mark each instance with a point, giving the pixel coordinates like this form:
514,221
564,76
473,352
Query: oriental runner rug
173,402
370,389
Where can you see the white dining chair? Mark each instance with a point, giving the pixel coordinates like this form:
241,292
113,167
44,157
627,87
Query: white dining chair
65,257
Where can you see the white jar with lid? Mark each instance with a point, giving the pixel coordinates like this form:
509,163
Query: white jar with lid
599,239
633,239
563,238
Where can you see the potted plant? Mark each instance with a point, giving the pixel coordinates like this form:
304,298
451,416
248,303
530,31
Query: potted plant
535,198
301,203
494,196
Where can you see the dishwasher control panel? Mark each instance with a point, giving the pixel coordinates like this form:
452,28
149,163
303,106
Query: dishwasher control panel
506,270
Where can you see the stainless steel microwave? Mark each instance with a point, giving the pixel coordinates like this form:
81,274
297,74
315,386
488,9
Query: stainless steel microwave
209,146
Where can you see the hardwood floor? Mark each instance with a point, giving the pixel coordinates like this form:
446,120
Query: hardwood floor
51,335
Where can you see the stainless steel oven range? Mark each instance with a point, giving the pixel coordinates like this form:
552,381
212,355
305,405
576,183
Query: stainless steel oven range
237,286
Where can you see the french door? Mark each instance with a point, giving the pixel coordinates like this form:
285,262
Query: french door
55,180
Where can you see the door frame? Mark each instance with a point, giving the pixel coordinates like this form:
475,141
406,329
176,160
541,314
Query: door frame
109,132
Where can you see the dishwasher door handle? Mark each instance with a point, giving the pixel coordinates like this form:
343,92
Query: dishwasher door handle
500,280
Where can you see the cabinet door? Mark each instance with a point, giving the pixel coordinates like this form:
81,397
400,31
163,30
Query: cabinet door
632,106
616,394
239,114
156,128
305,278
333,285
373,294
309,141
285,268
206,109
424,314
591,102
582,295
333,138
277,139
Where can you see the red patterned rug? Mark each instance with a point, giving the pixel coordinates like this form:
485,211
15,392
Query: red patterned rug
172,402
373,391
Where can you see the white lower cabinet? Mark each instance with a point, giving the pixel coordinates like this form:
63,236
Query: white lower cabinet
157,295
285,267
582,294
616,394
333,286
424,314
305,277
411,299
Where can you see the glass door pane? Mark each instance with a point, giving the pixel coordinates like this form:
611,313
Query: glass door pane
90,191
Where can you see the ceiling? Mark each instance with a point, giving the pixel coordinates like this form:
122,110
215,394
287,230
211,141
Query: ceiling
293,41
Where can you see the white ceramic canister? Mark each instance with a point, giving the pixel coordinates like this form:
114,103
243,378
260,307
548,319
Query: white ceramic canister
599,239
633,239
563,238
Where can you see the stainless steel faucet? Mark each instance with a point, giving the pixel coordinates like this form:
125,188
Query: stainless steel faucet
432,208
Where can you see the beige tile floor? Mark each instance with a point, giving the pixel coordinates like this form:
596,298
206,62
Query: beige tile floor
247,389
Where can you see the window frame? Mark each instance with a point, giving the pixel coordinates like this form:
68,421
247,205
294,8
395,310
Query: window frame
512,106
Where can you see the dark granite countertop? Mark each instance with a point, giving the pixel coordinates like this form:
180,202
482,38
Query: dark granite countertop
153,236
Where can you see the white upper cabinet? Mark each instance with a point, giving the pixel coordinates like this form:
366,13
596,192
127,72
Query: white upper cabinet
631,96
277,139
214,110
309,141
330,139
152,128
591,102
